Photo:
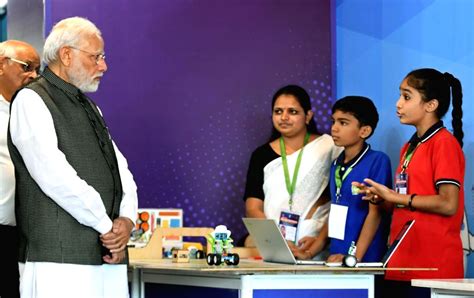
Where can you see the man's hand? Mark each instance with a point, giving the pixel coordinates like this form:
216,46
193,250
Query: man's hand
115,258
116,240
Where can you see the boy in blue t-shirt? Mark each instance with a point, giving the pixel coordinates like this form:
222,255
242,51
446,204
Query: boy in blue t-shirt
354,119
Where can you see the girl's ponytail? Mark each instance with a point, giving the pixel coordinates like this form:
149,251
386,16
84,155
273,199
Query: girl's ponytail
456,91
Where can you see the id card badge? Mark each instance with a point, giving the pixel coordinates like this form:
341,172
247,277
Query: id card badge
401,183
337,221
289,225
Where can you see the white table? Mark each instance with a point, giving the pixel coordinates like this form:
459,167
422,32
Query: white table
447,288
254,278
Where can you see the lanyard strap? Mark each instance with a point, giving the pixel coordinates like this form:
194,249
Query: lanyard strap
290,186
337,173
337,176
408,156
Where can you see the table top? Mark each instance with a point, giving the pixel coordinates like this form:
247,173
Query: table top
463,284
249,266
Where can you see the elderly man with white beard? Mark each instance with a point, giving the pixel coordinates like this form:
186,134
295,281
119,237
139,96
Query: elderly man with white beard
76,200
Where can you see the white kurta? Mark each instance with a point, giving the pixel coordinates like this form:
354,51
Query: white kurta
7,171
34,135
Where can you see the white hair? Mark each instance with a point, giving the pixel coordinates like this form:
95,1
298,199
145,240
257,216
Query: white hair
8,48
68,32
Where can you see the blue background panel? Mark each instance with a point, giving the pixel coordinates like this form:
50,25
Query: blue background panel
379,42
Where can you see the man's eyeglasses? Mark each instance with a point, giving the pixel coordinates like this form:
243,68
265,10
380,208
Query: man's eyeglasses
97,57
27,67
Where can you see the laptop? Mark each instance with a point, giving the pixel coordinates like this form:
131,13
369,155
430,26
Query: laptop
393,247
271,244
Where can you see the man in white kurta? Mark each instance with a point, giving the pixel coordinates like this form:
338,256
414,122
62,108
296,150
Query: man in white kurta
18,66
74,52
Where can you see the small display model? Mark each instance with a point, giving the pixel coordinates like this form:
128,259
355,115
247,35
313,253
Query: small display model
350,259
180,256
195,253
221,245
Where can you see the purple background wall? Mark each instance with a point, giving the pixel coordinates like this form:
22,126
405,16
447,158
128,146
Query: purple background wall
188,92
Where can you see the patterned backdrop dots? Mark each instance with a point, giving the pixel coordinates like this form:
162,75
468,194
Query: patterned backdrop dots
205,174
320,92
209,184
206,177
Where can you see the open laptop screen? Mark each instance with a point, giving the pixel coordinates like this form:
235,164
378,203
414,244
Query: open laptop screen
396,242
393,247
270,242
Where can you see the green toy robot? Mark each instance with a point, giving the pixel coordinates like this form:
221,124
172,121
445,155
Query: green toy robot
221,244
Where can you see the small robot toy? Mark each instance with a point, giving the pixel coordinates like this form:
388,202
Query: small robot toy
221,244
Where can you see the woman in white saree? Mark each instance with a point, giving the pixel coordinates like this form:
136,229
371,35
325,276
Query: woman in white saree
268,190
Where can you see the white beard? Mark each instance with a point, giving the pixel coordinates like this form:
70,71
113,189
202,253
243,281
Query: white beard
78,77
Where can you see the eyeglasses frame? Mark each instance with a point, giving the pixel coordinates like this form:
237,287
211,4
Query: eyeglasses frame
97,57
26,65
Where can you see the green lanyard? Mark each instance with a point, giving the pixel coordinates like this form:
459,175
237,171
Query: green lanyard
337,175
290,186
408,156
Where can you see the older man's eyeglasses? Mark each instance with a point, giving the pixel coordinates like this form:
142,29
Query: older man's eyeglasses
97,57
27,67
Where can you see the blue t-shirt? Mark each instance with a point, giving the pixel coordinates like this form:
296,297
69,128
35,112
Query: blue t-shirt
367,164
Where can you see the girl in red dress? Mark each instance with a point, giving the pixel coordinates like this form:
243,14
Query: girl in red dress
429,183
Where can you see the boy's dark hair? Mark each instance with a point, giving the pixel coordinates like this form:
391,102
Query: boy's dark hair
362,108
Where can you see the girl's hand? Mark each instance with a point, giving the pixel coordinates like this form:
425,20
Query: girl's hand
373,192
377,190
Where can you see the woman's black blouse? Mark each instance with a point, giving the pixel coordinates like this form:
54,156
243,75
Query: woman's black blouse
262,156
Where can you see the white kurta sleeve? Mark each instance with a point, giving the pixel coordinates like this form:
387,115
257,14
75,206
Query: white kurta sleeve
129,205
34,135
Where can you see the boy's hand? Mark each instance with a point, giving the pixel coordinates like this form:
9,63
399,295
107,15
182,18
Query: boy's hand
335,258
